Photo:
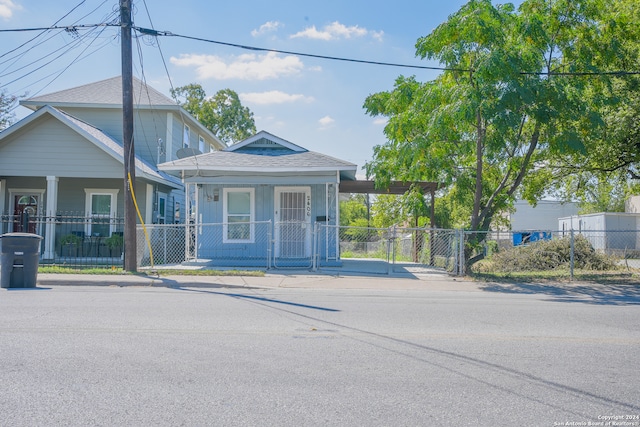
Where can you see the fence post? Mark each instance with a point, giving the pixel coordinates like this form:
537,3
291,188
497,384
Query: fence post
25,222
461,254
314,251
572,256
269,244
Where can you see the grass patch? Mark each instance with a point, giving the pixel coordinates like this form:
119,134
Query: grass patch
56,269
587,276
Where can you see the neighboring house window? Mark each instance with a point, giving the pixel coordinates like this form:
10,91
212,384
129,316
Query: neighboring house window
162,207
101,205
186,137
238,207
201,144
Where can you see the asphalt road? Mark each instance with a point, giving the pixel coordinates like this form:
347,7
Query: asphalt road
141,356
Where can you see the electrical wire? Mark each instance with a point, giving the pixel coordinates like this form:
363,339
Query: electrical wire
54,24
68,48
182,116
39,63
152,32
155,33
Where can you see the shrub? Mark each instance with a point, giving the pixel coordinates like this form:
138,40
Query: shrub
548,255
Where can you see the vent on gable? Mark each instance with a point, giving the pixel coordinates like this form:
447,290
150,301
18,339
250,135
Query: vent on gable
263,143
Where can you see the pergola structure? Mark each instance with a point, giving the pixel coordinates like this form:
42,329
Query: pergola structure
395,187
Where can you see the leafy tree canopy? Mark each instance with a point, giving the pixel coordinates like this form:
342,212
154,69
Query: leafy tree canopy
223,113
507,105
7,104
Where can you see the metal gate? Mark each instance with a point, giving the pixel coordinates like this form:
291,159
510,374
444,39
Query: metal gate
292,227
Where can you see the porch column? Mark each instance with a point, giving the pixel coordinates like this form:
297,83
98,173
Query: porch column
148,215
3,186
50,214
187,216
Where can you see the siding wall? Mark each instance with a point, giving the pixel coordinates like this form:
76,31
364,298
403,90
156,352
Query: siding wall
211,212
71,194
51,148
149,127
544,216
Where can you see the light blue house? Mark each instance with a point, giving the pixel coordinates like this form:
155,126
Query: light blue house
259,201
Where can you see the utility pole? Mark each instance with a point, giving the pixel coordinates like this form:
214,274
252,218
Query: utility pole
130,250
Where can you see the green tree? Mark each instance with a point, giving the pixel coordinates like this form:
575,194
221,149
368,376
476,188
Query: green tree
410,209
603,179
502,108
7,104
354,209
223,113
354,213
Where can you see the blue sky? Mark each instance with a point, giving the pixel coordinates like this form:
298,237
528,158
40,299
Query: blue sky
311,102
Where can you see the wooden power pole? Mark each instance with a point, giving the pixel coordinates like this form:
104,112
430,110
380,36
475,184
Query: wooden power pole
130,250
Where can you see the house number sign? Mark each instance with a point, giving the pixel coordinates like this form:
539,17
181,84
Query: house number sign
308,205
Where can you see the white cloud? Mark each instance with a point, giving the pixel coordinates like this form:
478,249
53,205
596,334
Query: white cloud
325,122
381,121
243,67
7,7
336,30
273,97
267,27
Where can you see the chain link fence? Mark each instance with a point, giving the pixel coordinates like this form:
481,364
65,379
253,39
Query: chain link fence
79,240
387,250
598,252
211,245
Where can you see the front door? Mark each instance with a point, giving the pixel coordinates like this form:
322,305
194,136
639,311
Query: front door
25,203
293,222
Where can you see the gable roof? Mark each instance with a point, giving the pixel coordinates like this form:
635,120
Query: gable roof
104,92
265,140
108,94
99,139
261,153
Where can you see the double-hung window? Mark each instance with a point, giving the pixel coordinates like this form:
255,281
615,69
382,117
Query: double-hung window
239,207
101,206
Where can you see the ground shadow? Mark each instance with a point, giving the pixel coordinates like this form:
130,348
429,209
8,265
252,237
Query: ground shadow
572,292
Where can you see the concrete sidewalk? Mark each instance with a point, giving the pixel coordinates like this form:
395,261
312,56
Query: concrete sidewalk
291,279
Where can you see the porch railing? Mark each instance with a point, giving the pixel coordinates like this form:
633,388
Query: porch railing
72,239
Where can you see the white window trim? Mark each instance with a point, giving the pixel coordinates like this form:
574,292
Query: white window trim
114,206
252,193
186,137
202,144
161,218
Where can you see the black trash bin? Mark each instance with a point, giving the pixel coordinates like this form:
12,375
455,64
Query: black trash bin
19,256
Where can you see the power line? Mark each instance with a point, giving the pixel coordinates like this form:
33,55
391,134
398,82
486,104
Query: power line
34,38
64,27
150,32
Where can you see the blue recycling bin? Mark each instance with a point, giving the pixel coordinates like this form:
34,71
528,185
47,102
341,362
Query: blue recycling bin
19,257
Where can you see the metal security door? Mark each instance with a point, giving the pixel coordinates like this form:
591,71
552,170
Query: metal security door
293,222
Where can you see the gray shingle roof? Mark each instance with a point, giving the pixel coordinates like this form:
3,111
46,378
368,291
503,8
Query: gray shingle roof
108,92
239,161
